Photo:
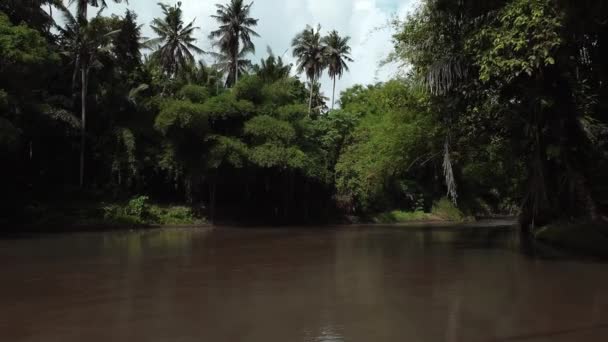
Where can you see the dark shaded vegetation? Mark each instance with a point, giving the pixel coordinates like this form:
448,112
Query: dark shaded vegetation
501,110
520,85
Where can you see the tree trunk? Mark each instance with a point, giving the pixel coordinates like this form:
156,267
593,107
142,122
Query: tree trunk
286,196
83,122
48,30
82,11
236,60
119,177
333,96
584,199
236,72
306,202
83,7
212,192
537,209
312,82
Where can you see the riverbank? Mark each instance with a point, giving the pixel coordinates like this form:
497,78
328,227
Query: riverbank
442,211
141,212
138,212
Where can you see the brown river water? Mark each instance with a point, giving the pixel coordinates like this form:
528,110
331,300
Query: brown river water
465,283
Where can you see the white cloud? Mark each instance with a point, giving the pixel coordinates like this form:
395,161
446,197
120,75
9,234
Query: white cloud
365,21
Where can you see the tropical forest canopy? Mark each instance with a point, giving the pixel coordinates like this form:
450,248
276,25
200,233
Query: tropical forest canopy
501,108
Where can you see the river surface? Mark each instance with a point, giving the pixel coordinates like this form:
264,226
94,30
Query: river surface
371,284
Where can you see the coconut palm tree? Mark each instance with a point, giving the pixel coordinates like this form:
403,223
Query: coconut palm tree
128,42
82,7
82,41
37,14
199,73
310,54
175,42
233,37
337,55
226,63
319,100
272,68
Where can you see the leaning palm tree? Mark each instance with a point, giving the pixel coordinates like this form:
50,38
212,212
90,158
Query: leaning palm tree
83,40
310,54
337,55
175,42
233,37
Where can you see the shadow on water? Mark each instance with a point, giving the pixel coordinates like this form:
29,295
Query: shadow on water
490,235
555,333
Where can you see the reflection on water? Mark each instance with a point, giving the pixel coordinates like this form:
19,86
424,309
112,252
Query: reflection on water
351,284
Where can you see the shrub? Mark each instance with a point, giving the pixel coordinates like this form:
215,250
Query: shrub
266,128
249,88
194,93
135,212
138,207
173,215
446,210
177,116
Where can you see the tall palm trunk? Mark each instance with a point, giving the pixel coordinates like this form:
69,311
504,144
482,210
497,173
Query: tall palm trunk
83,119
82,22
312,82
584,199
236,60
286,196
333,96
212,198
82,11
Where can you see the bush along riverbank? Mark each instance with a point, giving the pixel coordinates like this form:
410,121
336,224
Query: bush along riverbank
138,212
443,210
141,212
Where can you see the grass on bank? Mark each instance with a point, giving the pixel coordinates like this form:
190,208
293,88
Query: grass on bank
443,210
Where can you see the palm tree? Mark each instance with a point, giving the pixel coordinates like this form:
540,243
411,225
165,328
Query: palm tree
82,7
175,41
310,54
233,38
82,40
337,54
128,43
272,68
226,63
201,74
209,76
319,100
33,12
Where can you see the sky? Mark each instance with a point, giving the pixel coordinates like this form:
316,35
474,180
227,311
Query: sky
365,21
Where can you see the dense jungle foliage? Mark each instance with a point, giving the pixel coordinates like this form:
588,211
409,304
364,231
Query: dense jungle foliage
501,108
